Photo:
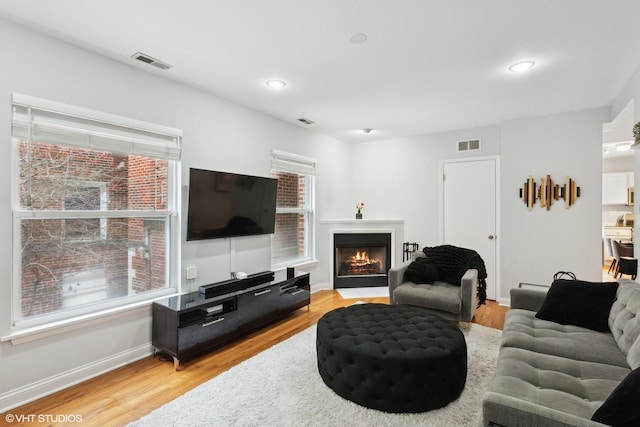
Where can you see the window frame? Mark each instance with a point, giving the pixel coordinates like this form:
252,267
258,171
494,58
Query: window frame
303,167
143,146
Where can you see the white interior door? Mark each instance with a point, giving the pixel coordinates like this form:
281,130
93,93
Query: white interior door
469,211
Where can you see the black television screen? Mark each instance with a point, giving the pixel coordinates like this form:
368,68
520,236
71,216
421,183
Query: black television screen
223,204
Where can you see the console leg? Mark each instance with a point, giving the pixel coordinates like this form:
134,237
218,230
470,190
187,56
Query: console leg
176,363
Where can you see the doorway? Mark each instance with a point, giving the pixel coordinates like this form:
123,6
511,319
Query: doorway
618,164
469,210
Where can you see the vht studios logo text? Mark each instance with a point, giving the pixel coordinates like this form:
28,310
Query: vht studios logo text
42,418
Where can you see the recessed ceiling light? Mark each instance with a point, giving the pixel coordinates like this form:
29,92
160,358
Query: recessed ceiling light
276,84
522,66
366,130
358,38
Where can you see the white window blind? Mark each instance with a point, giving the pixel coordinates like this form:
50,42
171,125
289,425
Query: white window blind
37,119
292,163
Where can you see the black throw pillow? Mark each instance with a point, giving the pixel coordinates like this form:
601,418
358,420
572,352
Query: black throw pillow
580,303
421,270
622,407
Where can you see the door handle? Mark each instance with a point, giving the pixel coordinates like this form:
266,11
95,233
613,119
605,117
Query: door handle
219,319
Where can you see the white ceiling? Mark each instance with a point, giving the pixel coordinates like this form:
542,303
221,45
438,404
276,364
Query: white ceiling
427,65
618,133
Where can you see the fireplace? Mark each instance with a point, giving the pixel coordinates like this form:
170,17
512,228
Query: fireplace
361,259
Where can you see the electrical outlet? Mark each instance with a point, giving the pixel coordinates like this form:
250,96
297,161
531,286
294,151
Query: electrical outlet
192,272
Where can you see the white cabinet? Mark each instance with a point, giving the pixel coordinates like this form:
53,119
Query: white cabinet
624,234
615,188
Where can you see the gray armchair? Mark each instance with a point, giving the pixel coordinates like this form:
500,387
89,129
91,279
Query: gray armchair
450,301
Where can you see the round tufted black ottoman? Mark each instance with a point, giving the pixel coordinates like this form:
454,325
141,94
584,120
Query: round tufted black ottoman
394,358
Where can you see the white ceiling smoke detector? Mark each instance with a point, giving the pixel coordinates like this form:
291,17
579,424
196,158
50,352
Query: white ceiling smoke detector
357,38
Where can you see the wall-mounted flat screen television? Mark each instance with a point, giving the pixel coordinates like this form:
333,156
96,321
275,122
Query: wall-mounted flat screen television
223,204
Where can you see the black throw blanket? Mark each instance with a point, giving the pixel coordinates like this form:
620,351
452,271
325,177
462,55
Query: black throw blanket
453,262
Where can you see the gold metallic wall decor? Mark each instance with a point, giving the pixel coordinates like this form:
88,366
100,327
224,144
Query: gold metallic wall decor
548,192
570,192
528,192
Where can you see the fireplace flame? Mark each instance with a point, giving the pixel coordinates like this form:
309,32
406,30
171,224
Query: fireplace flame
361,258
362,255
361,263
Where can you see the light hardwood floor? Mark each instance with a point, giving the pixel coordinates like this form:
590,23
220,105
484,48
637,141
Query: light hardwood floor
128,393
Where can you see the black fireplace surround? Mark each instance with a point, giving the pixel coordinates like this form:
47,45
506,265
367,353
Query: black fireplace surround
361,259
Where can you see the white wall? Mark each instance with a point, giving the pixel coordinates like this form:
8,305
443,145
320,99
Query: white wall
217,135
630,92
536,244
398,178
618,164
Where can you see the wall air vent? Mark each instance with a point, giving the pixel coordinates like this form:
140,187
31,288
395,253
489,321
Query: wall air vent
306,121
151,61
470,145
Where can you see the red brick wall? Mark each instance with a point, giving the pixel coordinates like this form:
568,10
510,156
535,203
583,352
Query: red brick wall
290,228
147,190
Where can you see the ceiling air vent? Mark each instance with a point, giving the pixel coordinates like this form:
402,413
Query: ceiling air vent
151,60
306,121
470,145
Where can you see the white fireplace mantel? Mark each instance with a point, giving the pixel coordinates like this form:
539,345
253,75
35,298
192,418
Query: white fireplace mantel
362,221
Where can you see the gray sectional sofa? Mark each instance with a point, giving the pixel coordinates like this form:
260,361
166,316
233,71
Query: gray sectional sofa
550,374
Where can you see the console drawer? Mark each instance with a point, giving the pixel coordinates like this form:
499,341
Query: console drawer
260,303
294,297
206,330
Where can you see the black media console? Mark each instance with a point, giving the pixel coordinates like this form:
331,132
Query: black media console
190,324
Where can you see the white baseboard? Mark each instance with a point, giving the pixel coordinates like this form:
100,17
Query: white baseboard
321,287
47,386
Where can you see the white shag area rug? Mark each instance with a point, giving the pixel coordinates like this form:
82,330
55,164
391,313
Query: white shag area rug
282,387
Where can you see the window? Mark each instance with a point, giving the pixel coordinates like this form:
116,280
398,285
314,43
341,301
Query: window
94,211
292,242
